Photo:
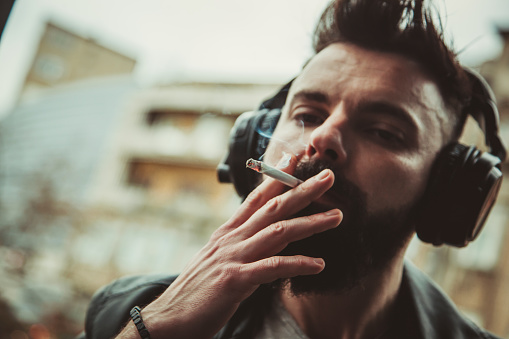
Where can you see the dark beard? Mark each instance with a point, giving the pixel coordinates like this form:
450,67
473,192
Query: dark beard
361,244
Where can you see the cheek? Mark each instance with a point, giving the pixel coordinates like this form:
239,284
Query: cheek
393,184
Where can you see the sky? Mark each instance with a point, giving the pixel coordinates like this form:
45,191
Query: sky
264,41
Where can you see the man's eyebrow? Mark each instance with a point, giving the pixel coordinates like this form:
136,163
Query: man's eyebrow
390,110
315,96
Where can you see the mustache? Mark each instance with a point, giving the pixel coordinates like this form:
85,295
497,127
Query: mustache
342,187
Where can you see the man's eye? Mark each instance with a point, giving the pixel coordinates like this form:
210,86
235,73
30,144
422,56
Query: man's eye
387,136
309,119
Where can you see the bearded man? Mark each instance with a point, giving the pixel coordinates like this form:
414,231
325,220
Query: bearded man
363,125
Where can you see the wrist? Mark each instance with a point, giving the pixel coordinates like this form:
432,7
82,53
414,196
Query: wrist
137,319
128,332
160,323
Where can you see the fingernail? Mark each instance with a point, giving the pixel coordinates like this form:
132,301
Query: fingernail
284,161
322,175
332,212
319,261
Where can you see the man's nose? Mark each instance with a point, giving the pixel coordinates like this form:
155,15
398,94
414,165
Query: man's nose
326,142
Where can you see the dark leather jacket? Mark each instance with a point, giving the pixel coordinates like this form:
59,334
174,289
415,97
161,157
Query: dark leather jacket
425,312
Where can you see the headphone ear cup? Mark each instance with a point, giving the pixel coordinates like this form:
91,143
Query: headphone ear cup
464,183
249,138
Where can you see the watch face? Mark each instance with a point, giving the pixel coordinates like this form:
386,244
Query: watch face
494,182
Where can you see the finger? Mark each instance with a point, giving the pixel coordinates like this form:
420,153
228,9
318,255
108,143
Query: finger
277,236
280,267
268,189
283,206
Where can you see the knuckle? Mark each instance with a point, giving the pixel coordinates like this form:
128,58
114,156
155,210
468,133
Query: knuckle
254,198
216,235
273,204
309,219
274,262
224,241
305,187
299,260
278,228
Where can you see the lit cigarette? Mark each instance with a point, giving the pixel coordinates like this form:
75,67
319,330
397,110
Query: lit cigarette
273,172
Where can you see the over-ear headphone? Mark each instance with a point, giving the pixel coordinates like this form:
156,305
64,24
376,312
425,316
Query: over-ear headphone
464,181
249,138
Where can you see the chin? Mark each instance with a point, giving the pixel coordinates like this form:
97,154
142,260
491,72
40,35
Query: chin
362,245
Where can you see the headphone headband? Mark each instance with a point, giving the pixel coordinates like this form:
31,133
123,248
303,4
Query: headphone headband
483,109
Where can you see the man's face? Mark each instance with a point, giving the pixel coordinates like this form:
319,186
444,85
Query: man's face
374,115
378,121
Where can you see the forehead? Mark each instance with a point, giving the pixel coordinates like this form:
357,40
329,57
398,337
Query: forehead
346,72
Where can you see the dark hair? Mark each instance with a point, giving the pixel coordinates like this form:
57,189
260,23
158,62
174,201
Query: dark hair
404,27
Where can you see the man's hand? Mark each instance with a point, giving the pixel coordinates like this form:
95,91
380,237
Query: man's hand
241,255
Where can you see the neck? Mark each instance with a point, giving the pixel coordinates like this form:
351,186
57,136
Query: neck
361,313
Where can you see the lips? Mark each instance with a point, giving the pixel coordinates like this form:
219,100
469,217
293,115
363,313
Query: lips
344,194
329,200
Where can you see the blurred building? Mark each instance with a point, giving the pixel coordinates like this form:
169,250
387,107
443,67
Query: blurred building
496,73
477,277
50,145
101,179
155,193
63,57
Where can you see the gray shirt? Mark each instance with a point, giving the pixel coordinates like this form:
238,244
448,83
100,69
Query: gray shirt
278,323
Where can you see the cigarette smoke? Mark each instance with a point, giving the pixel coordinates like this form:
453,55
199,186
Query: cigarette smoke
293,148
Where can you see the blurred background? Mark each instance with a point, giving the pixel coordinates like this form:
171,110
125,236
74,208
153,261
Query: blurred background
114,115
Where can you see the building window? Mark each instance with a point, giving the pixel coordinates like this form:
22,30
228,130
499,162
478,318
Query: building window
190,134
137,175
183,120
165,179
